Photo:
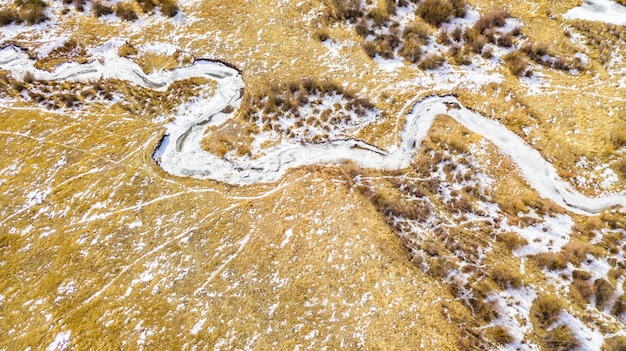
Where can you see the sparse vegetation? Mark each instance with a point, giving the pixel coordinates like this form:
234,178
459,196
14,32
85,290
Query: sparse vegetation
603,291
616,343
126,11
545,309
518,64
500,335
432,61
560,338
100,9
506,277
512,240
435,12
284,100
29,11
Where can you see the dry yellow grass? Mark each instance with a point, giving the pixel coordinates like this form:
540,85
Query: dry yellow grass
97,239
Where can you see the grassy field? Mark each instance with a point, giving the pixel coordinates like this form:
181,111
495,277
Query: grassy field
97,241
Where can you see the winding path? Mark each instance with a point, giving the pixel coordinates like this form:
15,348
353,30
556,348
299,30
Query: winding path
180,152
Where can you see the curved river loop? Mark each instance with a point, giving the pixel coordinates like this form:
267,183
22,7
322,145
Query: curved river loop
179,152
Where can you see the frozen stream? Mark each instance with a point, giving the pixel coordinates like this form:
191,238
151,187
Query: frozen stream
180,152
599,10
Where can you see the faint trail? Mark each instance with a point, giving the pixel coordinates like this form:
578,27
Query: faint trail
150,253
44,141
241,243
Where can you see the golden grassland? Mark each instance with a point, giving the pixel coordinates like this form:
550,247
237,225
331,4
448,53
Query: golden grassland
150,255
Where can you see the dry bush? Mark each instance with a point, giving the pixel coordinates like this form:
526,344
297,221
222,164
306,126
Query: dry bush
432,61
342,10
8,16
581,275
126,12
499,335
518,64
603,291
147,6
616,343
619,307
435,12
382,46
32,11
545,309
583,288
550,260
321,34
169,8
576,252
127,50
100,9
512,240
493,18
29,77
506,277
621,168
459,55
379,15
560,338
414,36
618,138
459,8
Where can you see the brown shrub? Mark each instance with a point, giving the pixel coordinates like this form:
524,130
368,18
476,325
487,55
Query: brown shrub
29,77
8,16
321,34
341,10
169,8
518,64
432,61
581,275
435,12
459,7
127,50
414,37
506,277
493,18
126,12
603,291
147,6
551,260
616,343
621,168
512,240
583,288
545,308
499,335
99,9
576,251
619,307
560,338
459,55
379,15
361,27
32,11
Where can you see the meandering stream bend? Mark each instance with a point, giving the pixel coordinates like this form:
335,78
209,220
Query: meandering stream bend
180,153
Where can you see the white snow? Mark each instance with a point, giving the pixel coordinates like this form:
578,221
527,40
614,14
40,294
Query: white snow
599,10
197,327
288,234
61,341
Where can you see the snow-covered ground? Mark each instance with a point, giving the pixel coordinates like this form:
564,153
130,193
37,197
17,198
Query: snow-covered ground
599,10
